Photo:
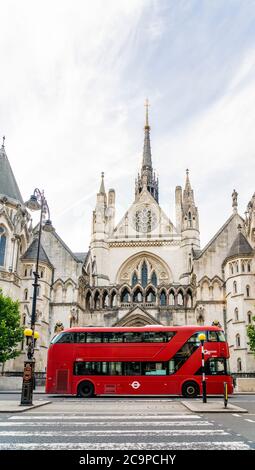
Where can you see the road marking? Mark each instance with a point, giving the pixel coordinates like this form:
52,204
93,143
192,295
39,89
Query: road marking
108,423
86,417
236,414
143,432
231,445
250,420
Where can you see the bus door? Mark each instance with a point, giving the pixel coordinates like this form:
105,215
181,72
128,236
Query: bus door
215,369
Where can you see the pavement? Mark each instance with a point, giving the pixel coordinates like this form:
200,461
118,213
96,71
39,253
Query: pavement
195,406
41,390
212,407
9,406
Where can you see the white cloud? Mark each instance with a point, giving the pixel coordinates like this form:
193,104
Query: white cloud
74,76
218,147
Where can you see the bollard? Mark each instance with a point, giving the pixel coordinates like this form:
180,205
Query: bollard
225,394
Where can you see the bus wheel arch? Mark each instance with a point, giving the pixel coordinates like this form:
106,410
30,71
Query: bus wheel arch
86,389
190,389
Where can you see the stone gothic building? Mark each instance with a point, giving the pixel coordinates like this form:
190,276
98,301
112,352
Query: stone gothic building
142,270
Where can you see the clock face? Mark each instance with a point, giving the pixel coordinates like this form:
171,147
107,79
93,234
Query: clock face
144,219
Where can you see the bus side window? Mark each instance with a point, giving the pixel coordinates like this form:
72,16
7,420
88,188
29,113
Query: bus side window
81,337
93,337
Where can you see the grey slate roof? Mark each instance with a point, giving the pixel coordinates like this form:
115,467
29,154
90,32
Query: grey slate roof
81,256
240,246
31,253
67,248
199,254
8,184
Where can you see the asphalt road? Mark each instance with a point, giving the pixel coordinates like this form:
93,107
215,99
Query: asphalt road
126,423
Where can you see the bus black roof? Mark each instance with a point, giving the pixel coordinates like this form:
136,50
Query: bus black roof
103,329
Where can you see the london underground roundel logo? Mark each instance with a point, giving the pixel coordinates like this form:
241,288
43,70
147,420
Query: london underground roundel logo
135,385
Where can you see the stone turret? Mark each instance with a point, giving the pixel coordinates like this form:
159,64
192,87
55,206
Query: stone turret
187,211
100,228
239,280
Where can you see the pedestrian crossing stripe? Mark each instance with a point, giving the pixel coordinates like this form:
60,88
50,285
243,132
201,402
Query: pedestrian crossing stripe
201,445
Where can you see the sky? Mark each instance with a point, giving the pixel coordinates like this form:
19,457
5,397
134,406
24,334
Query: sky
73,81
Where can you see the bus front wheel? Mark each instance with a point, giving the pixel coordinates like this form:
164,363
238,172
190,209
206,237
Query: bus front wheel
85,390
190,389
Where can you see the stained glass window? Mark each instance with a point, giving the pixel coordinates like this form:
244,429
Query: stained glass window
134,279
144,274
2,245
154,279
163,298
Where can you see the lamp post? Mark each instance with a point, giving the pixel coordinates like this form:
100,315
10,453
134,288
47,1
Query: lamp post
36,202
202,339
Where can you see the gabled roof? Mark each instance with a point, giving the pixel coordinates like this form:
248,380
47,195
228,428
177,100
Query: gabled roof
81,256
78,257
74,255
240,246
31,253
8,184
199,254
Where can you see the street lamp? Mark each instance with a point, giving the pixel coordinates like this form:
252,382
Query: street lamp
36,202
202,339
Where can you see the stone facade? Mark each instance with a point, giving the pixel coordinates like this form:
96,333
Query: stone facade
142,270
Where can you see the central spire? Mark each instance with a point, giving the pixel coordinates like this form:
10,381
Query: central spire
147,145
147,178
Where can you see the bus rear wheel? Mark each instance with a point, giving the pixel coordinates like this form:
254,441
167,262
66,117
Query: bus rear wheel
85,389
190,390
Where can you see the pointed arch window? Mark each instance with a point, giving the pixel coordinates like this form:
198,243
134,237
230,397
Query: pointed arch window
236,314
154,279
88,300
144,274
200,320
238,341
150,295
171,298
138,296
97,300
163,298
247,291
134,279
249,318
105,300
239,365
125,295
180,298
189,219
2,245
235,287
189,299
113,299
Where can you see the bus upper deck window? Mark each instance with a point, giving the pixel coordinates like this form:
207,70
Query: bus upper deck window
65,338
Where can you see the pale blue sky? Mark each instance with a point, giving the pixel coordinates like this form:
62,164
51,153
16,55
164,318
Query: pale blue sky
74,77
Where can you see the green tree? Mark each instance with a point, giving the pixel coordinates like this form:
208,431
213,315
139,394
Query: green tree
10,331
251,336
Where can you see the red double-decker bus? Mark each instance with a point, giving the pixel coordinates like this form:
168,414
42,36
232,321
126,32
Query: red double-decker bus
150,360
